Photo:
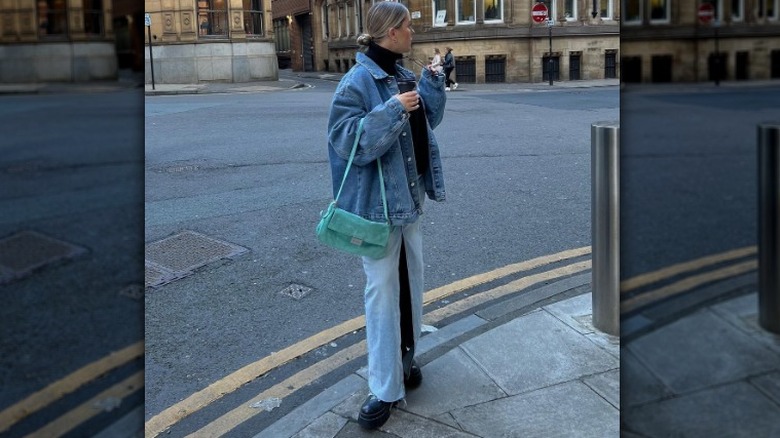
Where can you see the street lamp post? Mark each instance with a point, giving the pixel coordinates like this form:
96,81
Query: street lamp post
550,23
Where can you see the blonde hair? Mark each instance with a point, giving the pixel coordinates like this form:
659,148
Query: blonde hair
436,50
382,17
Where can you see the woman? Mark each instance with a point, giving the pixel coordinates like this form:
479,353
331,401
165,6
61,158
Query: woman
449,66
398,130
436,61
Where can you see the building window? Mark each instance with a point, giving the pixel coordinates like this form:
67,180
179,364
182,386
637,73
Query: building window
339,14
610,64
52,17
552,9
574,66
570,10
466,11
556,74
742,66
661,68
439,12
633,12
253,17
606,9
494,10
93,17
212,16
659,11
466,71
771,9
737,10
774,64
495,68
631,69
282,35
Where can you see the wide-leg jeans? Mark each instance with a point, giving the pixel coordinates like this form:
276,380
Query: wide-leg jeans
383,314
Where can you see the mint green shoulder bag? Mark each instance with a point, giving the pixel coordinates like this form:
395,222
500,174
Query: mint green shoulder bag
349,232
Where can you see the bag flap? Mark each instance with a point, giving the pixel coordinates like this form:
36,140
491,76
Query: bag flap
344,222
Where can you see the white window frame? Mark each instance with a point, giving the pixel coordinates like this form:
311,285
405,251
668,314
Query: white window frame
741,8
457,13
500,18
574,7
668,10
609,9
775,11
435,12
339,13
325,17
639,20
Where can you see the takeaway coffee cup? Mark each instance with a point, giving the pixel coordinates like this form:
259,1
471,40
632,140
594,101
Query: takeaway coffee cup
405,85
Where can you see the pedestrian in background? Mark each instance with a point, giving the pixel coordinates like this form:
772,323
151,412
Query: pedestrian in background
398,131
436,62
449,66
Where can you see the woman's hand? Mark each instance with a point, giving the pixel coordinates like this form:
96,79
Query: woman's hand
410,100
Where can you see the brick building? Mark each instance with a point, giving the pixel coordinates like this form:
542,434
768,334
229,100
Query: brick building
668,41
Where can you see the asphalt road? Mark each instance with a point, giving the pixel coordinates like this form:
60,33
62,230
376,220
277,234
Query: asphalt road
251,169
689,171
71,170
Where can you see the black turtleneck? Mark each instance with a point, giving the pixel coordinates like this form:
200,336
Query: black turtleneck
386,60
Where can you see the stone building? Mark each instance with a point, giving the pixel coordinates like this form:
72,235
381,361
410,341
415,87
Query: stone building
492,40
56,41
670,41
210,40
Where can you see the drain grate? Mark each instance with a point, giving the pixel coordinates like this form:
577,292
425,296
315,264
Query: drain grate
26,251
296,291
177,256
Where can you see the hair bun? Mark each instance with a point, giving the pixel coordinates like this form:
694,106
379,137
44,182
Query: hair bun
364,39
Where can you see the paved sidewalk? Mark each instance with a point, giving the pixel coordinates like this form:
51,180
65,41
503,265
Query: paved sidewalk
714,372
545,373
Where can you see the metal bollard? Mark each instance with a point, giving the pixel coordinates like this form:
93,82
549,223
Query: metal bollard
605,225
769,226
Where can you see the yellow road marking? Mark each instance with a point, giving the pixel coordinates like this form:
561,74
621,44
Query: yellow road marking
175,413
514,286
232,419
40,399
687,284
90,408
693,265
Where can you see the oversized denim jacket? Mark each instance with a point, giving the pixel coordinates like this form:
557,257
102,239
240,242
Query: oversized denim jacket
367,91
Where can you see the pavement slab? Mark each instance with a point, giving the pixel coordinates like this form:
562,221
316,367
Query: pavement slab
719,354
733,410
769,385
570,409
406,425
606,385
328,425
542,350
450,382
639,384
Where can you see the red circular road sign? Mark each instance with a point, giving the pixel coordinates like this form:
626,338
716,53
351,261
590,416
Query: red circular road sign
706,12
539,12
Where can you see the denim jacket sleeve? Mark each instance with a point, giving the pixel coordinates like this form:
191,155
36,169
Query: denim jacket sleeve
385,120
431,89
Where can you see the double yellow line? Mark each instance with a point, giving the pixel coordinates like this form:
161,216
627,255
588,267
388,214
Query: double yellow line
688,283
59,389
199,400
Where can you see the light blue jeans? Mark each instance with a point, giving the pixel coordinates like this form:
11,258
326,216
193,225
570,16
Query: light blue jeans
383,314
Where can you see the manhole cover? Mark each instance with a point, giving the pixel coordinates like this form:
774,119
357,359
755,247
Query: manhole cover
26,251
296,291
177,256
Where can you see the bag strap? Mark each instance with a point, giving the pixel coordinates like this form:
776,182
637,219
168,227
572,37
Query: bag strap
378,163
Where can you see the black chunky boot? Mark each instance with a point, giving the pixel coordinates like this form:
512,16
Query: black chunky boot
374,412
